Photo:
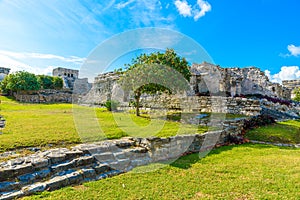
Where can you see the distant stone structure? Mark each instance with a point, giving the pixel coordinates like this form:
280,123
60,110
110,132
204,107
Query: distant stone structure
102,88
207,79
71,80
292,85
235,81
68,75
3,72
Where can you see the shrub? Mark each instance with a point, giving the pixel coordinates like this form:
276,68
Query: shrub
111,105
50,82
20,81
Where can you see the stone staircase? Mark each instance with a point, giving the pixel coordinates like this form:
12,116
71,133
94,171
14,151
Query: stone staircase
54,169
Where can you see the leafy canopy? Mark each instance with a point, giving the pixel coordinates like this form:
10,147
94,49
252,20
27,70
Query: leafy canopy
20,81
50,82
25,81
156,72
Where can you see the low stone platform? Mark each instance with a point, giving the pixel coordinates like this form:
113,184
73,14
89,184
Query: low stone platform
53,169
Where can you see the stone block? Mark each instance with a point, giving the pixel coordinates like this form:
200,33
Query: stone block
102,168
38,163
56,157
56,183
84,161
31,189
88,173
63,166
9,186
74,177
104,157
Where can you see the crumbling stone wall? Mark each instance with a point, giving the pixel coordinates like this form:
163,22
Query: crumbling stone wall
235,81
45,96
292,85
3,72
231,105
102,89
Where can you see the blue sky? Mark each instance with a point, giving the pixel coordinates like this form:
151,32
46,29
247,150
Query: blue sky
38,36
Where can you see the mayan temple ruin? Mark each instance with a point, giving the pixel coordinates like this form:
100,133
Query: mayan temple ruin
232,82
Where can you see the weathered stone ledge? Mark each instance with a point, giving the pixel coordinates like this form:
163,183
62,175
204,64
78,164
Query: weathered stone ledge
57,168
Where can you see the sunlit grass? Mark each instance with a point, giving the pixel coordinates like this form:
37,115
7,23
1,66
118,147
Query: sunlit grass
281,132
41,124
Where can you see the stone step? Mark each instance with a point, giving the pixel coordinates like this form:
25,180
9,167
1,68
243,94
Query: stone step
70,177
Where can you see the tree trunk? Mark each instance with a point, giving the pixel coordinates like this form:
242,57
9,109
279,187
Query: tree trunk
137,99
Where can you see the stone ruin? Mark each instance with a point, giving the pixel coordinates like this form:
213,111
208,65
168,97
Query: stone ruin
71,80
236,81
232,82
3,72
292,85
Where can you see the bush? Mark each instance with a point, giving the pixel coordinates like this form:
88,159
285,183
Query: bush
111,105
50,82
20,81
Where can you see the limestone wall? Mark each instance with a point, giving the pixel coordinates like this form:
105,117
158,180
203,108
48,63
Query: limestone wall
235,81
292,85
46,96
231,105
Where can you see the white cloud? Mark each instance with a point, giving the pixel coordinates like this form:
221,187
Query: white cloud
197,11
124,4
36,62
183,8
286,73
24,55
204,8
294,50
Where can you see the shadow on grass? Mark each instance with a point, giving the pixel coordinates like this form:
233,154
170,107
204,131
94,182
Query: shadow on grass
185,162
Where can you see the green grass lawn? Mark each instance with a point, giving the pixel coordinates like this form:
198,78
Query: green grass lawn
41,124
232,172
281,132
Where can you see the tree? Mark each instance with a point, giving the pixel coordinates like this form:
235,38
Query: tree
45,81
57,83
297,94
20,81
50,82
156,72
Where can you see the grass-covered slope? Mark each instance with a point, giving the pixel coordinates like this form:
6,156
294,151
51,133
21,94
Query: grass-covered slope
282,132
233,172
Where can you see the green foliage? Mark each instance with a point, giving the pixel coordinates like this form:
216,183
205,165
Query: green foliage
57,83
45,81
3,84
297,94
20,81
25,81
50,82
156,72
111,105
